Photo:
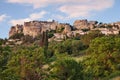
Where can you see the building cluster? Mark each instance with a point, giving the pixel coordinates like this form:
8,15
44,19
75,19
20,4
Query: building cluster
63,30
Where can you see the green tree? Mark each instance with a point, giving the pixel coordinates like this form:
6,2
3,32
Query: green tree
87,38
69,46
51,33
26,63
104,57
17,36
5,53
66,69
27,39
44,42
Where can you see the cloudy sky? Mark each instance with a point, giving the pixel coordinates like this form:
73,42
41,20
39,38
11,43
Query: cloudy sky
14,12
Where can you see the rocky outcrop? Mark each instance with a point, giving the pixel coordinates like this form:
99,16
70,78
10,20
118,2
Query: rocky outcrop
12,31
81,24
67,28
16,29
84,24
34,28
81,27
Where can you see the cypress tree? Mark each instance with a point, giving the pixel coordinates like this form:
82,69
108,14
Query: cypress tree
44,42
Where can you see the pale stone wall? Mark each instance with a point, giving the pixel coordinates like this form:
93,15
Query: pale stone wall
81,24
31,30
12,31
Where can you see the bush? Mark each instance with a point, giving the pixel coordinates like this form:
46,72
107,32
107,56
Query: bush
87,38
17,36
104,55
66,69
51,33
71,47
28,39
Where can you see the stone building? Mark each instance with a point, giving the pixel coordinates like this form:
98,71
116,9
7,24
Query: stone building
16,29
34,28
84,24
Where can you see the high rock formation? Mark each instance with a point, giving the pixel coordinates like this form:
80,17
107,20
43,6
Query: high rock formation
34,28
62,30
80,24
16,29
84,24
67,28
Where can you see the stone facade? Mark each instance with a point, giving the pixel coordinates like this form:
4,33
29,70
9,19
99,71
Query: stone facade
12,31
67,29
81,24
84,24
16,29
34,28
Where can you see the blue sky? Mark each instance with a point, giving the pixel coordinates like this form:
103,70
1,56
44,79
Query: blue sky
14,12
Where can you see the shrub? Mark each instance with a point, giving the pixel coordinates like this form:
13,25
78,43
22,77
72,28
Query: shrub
17,36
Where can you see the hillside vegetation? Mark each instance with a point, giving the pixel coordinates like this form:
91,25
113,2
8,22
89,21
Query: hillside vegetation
93,56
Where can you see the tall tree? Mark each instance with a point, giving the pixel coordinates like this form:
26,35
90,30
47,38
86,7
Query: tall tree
44,42
44,39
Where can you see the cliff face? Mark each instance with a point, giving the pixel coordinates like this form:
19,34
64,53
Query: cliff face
84,24
12,31
34,28
16,29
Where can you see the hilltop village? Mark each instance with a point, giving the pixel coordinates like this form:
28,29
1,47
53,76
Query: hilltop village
61,31
49,50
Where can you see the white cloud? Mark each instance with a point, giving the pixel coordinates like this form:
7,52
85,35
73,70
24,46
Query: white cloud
85,9
33,16
3,17
35,3
72,8
37,15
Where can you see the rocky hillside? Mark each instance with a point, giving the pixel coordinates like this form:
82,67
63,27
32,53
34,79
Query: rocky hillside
62,30
34,28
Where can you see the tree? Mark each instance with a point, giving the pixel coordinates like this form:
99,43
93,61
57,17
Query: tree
44,42
51,33
17,36
27,39
44,39
26,63
87,38
104,57
69,46
66,69
5,53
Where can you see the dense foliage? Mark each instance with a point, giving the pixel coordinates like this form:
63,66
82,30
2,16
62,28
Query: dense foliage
104,59
87,38
92,57
17,36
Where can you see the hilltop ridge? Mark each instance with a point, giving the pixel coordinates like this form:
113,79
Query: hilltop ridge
81,27
34,28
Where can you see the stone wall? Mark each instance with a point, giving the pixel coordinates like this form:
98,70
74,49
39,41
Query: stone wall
31,30
84,24
81,24
34,28
15,29
12,31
